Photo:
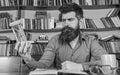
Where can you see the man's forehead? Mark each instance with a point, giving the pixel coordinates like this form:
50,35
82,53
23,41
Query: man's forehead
69,15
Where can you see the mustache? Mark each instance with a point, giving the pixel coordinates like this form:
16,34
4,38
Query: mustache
66,31
67,35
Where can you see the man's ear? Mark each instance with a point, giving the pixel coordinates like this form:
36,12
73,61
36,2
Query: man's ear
82,23
79,17
81,20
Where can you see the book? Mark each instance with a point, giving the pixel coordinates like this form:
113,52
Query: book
17,28
98,23
55,72
111,37
90,23
43,71
89,2
105,22
72,72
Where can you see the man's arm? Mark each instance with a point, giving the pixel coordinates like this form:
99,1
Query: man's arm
96,51
46,60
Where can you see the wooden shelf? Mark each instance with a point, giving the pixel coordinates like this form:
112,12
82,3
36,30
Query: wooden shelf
45,30
5,31
101,29
2,8
56,7
88,30
100,6
39,7
58,30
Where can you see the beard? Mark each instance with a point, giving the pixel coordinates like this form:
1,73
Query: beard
68,34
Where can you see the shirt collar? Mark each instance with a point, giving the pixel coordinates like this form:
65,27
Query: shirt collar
82,35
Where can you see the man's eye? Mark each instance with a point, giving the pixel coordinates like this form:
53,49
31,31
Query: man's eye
70,19
63,20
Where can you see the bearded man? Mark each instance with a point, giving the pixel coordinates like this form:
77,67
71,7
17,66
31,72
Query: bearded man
71,49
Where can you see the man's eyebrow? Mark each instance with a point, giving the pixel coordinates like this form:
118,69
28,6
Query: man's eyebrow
68,18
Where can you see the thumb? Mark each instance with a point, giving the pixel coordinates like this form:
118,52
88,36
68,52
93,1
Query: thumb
17,46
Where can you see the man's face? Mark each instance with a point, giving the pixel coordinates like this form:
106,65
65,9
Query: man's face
70,28
70,20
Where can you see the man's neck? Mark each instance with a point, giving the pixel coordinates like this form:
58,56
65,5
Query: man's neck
74,42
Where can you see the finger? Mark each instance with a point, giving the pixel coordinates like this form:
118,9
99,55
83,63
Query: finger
64,67
17,45
30,48
67,64
26,47
22,46
64,63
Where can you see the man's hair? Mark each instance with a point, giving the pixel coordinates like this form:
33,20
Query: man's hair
70,7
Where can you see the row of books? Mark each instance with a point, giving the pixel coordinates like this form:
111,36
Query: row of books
107,22
99,2
45,23
4,23
55,2
112,37
9,2
49,23
111,43
41,23
7,49
38,48
61,2
47,20
5,20
111,46
33,2
113,12
46,2
51,2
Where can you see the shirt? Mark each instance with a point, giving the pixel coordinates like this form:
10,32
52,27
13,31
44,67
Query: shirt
82,53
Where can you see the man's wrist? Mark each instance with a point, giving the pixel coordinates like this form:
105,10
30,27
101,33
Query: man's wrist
85,67
27,59
80,67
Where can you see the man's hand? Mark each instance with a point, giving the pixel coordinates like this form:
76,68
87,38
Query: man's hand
68,65
24,49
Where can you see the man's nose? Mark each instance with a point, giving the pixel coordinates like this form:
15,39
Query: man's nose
66,23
